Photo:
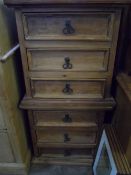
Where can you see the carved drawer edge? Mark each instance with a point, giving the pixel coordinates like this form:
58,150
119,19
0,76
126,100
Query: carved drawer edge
84,104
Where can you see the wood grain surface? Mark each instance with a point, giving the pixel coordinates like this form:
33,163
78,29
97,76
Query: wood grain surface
20,2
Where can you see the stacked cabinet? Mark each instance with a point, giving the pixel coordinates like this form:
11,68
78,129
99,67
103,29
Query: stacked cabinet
68,54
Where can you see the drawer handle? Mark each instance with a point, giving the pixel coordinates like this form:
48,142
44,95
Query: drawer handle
67,89
67,153
66,138
67,119
67,64
68,28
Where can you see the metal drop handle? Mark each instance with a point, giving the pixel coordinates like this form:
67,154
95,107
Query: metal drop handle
67,90
68,28
67,119
67,64
66,138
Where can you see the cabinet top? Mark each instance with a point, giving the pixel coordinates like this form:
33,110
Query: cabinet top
38,2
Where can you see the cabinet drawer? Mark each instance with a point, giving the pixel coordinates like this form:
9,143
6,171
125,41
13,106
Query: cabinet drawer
92,25
66,136
68,89
67,153
67,118
60,60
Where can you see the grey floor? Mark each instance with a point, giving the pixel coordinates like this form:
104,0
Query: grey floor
60,170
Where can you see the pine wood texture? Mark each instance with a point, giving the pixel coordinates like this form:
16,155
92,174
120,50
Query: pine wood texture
79,60
66,118
65,136
68,89
68,56
14,151
68,104
86,26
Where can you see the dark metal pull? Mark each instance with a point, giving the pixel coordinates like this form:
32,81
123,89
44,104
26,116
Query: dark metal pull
66,138
67,119
67,64
67,89
68,28
67,153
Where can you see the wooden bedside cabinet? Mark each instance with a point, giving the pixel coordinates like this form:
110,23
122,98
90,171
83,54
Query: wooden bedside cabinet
68,53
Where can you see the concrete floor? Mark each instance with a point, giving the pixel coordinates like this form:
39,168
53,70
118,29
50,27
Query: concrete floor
60,170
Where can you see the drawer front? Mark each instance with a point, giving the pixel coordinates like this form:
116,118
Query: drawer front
77,60
67,153
65,136
92,25
68,89
67,118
